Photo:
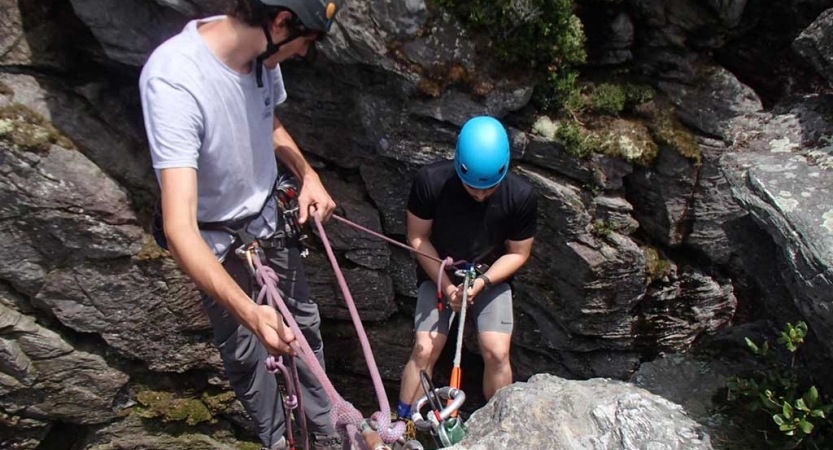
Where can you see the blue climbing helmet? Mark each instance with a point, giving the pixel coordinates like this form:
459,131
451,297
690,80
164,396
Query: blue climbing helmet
482,157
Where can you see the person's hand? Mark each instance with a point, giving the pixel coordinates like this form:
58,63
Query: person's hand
476,288
455,301
272,332
313,195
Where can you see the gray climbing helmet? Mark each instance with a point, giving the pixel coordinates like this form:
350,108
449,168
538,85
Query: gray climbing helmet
317,15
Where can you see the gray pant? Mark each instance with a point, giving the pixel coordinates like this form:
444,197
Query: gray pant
492,310
244,356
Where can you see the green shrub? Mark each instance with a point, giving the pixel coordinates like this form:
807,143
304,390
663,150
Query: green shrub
796,415
543,35
608,99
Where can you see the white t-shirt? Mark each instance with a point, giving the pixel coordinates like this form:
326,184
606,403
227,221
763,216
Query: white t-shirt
200,113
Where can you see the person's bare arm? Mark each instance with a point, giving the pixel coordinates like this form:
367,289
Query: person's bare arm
179,203
419,236
517,253
312,193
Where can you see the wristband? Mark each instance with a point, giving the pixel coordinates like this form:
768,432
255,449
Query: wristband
486,280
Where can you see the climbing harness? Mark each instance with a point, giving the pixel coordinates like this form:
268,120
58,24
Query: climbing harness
468,275
286,193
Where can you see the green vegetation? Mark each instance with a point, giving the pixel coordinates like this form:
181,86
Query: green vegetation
656,265
602,228
667,130
29,130
192,411
617,138
796,416
543,35
638,94
608,99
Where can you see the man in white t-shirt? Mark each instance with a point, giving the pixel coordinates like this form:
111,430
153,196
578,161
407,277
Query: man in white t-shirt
208,98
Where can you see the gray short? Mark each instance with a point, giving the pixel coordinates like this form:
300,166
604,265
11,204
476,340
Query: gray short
492,310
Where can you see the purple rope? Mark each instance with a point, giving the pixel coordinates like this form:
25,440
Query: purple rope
345,417
388,433
443,262
291,400
343,413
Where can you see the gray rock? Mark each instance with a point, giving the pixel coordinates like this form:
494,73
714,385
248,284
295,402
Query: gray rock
399,19
711,97
601,170
592,414
63,209
93,116
29,37
359,247
815,44
402,271
42,376
686,381
713,208
457,107
20,433
788,196
689,305
617,212
787,128
445,42
133,433
680,23
372,290
662,195
128,30
388,186
149,311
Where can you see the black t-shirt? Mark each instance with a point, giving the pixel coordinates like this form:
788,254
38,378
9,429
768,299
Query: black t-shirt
465,229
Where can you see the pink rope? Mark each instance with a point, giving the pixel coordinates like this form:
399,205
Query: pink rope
343,414
443,262
388,433
345,417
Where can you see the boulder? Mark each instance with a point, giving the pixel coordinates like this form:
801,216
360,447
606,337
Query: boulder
815,44
788,196
552,413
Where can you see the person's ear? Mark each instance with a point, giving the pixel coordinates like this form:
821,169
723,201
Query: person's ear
281,22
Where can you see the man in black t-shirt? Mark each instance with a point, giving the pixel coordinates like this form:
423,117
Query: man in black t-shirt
470,209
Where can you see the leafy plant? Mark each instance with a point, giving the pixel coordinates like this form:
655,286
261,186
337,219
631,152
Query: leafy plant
542,35
608,99
798,416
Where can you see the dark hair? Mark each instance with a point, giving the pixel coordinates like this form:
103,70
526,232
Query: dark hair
254,13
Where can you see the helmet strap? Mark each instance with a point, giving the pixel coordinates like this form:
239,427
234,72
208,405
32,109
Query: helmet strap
271,49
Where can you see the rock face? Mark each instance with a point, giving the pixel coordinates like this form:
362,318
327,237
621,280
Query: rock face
635,255
815,44
43,376
552,413
787,194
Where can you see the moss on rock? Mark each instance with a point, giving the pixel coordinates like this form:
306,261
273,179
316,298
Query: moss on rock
626,139
29,130
656,265
163,405
667,131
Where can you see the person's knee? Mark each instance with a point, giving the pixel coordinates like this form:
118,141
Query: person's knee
423,353
496,355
